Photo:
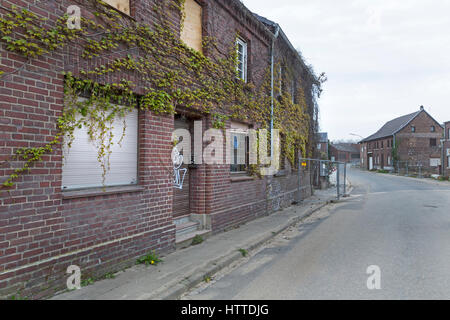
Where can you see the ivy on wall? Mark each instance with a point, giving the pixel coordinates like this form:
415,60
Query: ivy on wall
165,74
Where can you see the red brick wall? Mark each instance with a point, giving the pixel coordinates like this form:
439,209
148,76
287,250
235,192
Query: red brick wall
415,147
381,151
42,231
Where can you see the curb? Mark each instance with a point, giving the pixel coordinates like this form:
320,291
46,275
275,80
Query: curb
196,277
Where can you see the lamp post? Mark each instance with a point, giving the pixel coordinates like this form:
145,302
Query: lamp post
361,162
357,135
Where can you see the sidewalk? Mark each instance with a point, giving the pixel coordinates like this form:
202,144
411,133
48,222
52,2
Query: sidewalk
184,269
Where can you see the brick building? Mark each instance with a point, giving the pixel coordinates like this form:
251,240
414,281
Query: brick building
345,152
413,139
59,214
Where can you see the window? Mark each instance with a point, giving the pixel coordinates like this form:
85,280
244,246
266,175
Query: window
191,34
382,144
81,168
413,129
239,147
121,5
319,146
433,142
241,67
433,129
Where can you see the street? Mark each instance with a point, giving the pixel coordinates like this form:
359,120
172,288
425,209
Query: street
401,225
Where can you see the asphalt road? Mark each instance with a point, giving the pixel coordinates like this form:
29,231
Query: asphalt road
401,225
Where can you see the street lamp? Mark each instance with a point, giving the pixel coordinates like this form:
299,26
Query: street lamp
356,135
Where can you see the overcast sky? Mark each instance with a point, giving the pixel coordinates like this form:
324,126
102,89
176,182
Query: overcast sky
383,58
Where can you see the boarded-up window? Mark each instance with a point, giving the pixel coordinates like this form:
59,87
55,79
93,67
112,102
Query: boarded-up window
121,5
191,34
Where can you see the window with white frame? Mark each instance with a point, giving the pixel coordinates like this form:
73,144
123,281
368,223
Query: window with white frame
240,147
241,68
81,168
448,158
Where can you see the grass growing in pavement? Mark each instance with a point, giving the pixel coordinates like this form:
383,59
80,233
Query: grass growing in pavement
150,259
197,240
243,252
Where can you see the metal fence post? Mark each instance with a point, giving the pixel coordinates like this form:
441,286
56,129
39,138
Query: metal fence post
345,179
337,181
407,169
299,179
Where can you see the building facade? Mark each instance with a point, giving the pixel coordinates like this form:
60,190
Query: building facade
345,152
61,213
411,141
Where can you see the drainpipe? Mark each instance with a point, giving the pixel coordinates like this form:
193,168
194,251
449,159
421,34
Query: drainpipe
272,57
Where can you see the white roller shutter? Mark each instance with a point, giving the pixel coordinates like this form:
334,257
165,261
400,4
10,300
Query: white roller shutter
81,168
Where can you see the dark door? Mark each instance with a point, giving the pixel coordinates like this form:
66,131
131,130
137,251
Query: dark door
181,202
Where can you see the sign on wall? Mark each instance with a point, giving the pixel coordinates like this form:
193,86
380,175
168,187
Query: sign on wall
435,162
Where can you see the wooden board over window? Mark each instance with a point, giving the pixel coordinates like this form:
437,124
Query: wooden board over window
191,34
121,5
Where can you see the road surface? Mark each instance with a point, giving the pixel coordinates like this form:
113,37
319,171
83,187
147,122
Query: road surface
400,225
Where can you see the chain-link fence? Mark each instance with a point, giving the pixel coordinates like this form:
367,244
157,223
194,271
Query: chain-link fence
412,169
324,174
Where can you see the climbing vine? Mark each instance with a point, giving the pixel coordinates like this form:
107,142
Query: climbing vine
161,73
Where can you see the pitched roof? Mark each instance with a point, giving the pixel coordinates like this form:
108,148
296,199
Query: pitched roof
346,147
271,25
393,126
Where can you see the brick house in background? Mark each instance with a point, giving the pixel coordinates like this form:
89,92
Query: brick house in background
59,215
415,136
345,152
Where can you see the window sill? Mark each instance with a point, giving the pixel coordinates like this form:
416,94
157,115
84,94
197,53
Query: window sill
123,13
236,177
281,173
100,192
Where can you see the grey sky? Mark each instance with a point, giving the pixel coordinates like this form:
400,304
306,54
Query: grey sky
383,58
